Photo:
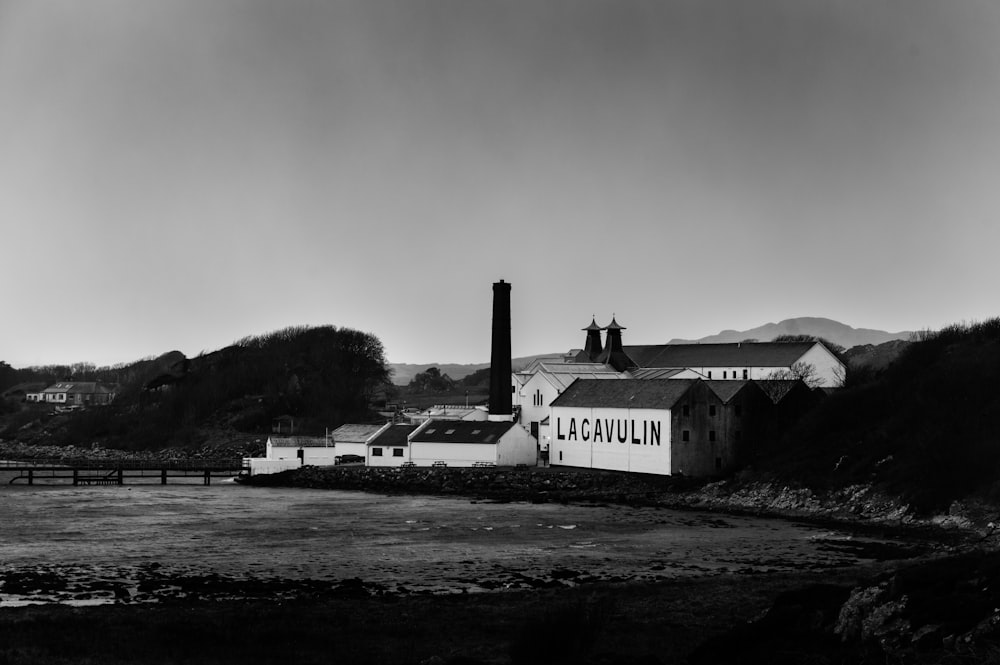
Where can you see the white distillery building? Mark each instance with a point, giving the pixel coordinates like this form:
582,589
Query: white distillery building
469,444
738,361
290,452
353,439
665,427
391,447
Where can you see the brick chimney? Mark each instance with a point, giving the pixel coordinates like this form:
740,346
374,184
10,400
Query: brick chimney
501,404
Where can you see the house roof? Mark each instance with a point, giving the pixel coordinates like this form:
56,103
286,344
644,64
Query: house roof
726,390
450,431
396,435
353,433
299,442
82,387
625,393
648,373
736,354
562,375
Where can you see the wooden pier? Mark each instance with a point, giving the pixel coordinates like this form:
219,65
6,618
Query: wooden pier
119,472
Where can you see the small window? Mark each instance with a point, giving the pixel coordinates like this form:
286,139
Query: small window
449,431
710,374
686,410
745,375
725,374
711,409
376,452
685,435
397,452
711,435
560,455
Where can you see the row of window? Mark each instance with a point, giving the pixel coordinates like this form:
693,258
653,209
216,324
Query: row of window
396,452
731,374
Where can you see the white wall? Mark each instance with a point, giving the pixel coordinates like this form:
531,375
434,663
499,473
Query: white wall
350,448
635,440
317,456
260,466
517,446
829,370
425,453
387,458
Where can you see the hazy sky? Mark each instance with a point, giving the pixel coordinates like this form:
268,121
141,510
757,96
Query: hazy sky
180,174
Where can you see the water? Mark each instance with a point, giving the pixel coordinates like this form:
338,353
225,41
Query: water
84,543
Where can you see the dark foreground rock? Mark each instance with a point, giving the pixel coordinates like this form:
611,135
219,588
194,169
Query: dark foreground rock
945,610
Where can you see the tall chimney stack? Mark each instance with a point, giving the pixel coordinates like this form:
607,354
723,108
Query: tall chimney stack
501,405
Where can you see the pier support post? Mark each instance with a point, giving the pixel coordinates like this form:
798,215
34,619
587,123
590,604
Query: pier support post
76,477
163,476
121,476
208,477
31,476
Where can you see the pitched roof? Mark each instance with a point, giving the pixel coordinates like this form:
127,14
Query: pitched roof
726,390
562,375
625,393
451,431
736,354
649,373
299,442
354,433
83,387
393,436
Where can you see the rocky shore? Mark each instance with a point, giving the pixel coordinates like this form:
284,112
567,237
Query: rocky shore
855,505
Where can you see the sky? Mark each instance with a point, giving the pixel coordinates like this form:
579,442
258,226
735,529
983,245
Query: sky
179,175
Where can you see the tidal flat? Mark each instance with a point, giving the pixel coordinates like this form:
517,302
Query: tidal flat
228,573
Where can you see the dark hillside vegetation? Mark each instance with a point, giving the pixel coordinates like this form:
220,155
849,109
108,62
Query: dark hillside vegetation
925,428
320,376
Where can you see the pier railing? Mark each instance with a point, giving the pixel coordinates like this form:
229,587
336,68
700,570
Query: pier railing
117,471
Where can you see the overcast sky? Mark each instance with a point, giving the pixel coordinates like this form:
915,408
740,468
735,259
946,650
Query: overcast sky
180,174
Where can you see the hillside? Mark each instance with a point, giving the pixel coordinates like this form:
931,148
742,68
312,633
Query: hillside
319,377
836,332
926,428
403,373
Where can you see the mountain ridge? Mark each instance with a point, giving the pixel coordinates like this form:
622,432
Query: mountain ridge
829,329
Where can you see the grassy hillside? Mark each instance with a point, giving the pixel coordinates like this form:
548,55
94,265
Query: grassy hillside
322,377
927,427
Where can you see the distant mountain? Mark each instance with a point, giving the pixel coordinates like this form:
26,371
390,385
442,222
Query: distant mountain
836,332
403,373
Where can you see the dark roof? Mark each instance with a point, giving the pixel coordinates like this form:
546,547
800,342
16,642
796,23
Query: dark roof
737,354
625,393
726,390
393,436
463,431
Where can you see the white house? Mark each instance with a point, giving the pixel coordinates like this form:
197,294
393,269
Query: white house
353,439
291,452
466,444
391,446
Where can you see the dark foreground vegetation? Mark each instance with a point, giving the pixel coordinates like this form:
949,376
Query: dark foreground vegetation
926,428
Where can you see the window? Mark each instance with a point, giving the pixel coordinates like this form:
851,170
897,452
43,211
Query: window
397,452
686,410
685,435
711,409
710,374
376,452
711,435
725,374
745,375
560,455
